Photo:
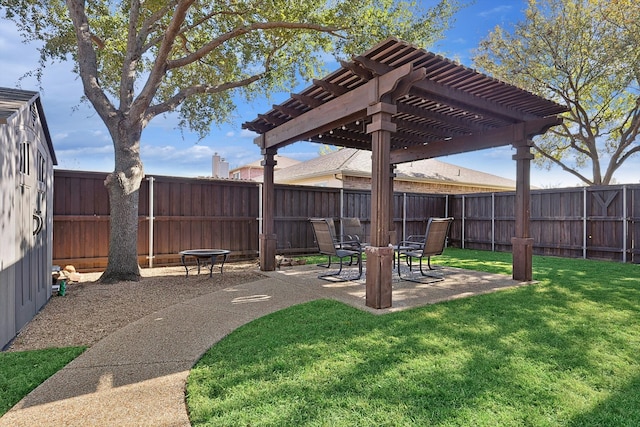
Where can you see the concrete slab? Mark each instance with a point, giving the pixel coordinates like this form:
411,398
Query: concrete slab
150,402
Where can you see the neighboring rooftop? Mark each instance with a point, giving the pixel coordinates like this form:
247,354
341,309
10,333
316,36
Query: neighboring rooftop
254,171
281,163
352,162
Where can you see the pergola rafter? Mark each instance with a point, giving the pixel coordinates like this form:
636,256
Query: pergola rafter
404,104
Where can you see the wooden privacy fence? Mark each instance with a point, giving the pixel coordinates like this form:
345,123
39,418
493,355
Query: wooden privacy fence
583,222
174,214
185,213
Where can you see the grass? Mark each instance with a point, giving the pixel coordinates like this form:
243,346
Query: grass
562,352
22,371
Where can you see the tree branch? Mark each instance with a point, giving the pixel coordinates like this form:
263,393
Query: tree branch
129,64
88,63
159,69
173,102
147,24
562,165
572,140
239,31
195,24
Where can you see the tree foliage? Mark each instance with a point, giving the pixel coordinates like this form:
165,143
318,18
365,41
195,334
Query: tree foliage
582,54
138,59
189,55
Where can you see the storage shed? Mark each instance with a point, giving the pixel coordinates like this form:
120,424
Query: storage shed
26,210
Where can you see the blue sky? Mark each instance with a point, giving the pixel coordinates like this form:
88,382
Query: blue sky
81,141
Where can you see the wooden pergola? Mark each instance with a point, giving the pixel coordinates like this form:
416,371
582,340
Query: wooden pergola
403,104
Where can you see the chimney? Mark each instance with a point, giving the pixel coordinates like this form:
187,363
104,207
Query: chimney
220,167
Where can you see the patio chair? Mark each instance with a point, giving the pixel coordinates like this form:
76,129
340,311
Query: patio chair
332,228
352,229
329,245
351,232
432,243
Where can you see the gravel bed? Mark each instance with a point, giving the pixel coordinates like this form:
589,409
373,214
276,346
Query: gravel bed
91,310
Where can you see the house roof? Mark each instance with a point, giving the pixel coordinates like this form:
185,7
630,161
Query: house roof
349,161
13,101
282,162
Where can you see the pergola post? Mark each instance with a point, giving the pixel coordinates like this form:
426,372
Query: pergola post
392,227
522,243
268,236
379,254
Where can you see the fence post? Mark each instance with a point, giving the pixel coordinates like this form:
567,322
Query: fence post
463,218
625,224
446,206
151,218
584,223
260,189
493,222
341,211
404,218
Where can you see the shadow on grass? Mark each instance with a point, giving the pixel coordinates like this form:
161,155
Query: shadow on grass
621,409
509,358
556,353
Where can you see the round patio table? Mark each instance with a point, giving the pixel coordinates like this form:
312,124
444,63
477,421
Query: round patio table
203,256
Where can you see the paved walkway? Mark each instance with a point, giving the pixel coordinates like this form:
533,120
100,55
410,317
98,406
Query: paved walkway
136,376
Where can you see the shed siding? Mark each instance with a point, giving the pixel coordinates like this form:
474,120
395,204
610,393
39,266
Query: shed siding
26,169
8,256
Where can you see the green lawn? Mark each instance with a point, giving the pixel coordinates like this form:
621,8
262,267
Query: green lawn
22,371
563,352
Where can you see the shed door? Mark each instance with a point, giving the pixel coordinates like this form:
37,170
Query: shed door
25,291
31,279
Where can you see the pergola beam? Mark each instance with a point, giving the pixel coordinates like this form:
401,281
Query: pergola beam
337,112
434,131
429,89
443,119
489,139
333,89
306,100
289,111
358,70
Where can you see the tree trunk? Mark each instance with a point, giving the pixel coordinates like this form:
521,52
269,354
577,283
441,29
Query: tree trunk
123,185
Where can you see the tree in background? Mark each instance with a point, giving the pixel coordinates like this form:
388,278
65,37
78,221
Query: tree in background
583,54
139,59
325,149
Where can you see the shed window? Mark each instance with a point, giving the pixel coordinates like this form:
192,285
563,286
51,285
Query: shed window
25,158
42,167
34,114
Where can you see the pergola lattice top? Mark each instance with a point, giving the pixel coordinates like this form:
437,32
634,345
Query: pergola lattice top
441,103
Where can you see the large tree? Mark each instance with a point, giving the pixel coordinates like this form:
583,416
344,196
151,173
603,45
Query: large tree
583,54
138,59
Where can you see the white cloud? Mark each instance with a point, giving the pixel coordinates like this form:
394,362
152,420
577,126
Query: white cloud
498,10
84,151
245,133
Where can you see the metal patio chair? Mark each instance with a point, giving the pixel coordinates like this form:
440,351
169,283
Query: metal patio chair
329,245
352,229
432,243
